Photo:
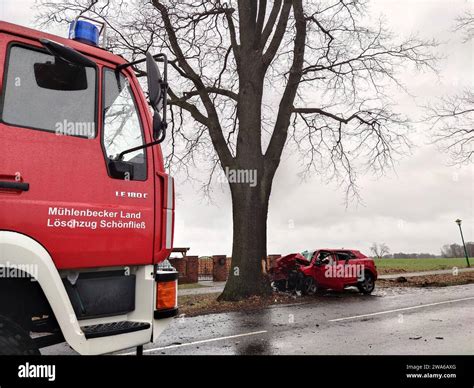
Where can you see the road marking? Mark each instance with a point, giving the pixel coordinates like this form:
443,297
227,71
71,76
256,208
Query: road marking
400,309
198,342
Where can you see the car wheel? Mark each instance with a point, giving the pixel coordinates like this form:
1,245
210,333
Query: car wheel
367,284
14,340
309,286
279,285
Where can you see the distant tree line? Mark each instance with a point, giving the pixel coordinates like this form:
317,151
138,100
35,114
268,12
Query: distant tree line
381,250
456,250
402,255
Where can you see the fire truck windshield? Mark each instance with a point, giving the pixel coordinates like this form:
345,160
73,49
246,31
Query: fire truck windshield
46,93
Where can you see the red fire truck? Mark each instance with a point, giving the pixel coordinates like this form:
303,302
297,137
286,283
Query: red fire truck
86,207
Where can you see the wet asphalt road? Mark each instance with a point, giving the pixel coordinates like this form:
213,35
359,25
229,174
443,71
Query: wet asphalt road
212,287
391,321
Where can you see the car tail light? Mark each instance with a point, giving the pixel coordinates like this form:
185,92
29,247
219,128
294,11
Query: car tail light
166,295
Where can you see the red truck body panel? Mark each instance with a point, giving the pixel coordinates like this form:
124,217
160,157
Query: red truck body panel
67,172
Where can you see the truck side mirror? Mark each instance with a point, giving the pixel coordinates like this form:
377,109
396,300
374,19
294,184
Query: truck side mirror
157,92
154,81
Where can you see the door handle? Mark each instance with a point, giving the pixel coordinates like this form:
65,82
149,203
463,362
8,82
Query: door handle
20,186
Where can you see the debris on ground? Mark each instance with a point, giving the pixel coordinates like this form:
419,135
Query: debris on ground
201,304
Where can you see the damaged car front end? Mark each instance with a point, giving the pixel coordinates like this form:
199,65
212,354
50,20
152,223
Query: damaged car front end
336,269
286,274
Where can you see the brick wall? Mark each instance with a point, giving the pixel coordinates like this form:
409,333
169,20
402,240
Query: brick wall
219,270
219,266
187,268
192,269
180,265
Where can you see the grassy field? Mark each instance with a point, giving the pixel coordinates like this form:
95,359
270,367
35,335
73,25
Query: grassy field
413,265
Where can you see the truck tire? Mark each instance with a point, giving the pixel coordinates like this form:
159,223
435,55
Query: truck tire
14,340
367,284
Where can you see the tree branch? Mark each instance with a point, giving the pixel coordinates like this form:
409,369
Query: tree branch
233,35
214,126
333,116
280,31
213,90
262,9
197,115
280,131
270,22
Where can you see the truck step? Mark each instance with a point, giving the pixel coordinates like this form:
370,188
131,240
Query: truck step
113,328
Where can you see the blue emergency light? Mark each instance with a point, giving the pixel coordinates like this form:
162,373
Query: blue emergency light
84,32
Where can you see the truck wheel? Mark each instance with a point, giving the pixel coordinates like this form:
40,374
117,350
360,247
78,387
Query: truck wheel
14,340
309,286
367,284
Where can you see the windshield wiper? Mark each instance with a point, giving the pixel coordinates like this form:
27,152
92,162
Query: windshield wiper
67,53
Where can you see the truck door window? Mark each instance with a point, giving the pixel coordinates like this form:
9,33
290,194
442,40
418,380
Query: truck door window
43,92
122,128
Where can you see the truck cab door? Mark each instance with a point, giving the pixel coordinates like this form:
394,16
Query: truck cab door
132,177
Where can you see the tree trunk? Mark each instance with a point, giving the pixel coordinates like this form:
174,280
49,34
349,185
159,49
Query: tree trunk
247,276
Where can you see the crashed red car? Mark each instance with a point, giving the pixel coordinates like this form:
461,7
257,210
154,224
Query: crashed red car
334,269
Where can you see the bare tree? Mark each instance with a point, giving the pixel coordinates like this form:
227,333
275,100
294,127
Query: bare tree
465,25
452,117
379,250
254,75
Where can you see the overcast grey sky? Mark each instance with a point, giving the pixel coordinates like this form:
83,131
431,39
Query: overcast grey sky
412,209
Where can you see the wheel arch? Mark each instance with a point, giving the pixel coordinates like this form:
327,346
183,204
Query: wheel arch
372,272
28,301
20,251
